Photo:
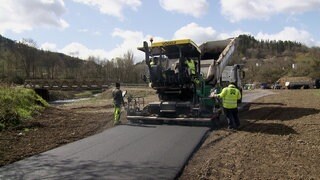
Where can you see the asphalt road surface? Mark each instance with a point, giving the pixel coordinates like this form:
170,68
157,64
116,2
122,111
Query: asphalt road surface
123,152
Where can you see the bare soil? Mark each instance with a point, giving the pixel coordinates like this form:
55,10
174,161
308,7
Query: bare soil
279,137
62,124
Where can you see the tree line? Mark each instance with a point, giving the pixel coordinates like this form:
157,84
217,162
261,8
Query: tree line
22,60
263,61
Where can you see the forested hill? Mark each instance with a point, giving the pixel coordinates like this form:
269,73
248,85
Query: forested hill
267,61
264,61
22,60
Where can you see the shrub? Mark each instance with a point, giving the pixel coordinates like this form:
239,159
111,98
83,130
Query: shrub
17,104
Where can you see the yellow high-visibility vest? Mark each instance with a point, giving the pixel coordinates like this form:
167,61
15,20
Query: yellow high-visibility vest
230,95
191,66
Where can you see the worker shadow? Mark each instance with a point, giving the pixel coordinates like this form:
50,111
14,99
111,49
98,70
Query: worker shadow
266,119
282,113
264,104
267,128
255,126
141,125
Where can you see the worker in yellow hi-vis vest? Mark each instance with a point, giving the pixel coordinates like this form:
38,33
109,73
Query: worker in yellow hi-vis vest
230,96
191,66
192,70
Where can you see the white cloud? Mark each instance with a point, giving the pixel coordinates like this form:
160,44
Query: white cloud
193,8
292,34
79,50
21,15
112,7
196,33
235,33
238,10
48,46
130,40
200,34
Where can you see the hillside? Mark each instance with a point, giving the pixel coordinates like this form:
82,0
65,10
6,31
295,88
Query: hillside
268,61
23,60
264,61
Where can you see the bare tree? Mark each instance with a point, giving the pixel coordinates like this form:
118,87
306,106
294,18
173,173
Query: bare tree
27,49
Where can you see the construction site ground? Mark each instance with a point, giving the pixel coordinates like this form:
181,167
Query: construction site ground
278,137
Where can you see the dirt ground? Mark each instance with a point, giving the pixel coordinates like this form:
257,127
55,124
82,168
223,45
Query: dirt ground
279,137
61,124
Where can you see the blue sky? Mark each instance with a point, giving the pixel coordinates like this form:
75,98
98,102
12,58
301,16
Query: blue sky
109,28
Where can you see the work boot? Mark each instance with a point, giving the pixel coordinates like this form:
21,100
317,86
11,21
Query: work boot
232,128
116,123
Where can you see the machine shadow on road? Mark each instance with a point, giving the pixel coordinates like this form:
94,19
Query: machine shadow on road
140,125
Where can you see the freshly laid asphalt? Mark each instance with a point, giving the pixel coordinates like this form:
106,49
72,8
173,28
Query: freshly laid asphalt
122,152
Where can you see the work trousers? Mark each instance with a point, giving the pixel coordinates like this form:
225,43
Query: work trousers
232,117
116,113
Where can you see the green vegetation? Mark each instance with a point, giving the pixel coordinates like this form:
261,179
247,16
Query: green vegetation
62,95
131,91
18,104
84,94
267,61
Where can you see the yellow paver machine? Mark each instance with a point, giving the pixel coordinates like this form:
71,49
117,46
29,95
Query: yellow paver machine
183,76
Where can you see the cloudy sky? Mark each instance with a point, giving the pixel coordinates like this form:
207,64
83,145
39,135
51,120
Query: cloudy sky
109,28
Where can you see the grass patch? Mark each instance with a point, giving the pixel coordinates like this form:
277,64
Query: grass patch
17,104
84,94
134,92
63,95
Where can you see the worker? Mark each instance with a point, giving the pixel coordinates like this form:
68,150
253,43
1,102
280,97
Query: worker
191,66
230,96
192,71
117,102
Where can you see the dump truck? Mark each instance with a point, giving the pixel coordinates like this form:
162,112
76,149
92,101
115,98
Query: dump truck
296,82
184,95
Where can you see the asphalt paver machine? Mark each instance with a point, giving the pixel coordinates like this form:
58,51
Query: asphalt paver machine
183,96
